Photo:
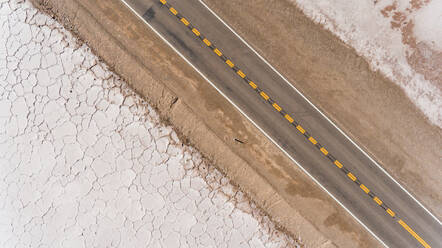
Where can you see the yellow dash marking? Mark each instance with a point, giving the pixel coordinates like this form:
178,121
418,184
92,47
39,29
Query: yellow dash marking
414,234
264,95
300,129
173,11
276,106
364,188
313,140
208,43
323,150
377,200
218,52
289,118
228,62
337,163
196,32
390,212
253,85
185,21
163,1
351,176
241,74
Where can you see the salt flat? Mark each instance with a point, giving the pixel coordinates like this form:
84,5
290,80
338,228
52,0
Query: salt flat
85,162
400,38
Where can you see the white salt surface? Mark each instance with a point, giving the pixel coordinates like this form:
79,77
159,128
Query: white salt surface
400,38
84,162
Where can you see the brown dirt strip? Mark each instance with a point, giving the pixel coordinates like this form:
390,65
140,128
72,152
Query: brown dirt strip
372,110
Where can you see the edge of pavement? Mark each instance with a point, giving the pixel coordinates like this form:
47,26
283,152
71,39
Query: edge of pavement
374,112
154,71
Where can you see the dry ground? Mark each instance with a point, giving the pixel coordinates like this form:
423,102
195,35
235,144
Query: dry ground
373,110
85,162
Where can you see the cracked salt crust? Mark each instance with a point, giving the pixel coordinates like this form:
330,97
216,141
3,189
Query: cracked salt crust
84,162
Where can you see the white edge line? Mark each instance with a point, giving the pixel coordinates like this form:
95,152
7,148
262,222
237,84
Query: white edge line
305,98
231,102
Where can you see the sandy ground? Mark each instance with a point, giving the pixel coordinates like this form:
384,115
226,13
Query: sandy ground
373,110
85,162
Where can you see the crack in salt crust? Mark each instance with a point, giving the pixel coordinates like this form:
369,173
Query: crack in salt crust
84,162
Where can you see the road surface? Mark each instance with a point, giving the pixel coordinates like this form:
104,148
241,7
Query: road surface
394,217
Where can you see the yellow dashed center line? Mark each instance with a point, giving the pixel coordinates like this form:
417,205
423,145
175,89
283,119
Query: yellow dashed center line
253,85
173,11
196,32
289,118
337,163
230,64
390,212
414,234
377,200
300,129
207,42
364,188
218,52
185,21
351,176
241,74
276,106
264,95
324,151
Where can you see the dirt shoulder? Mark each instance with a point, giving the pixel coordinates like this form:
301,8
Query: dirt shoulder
374,111
206,120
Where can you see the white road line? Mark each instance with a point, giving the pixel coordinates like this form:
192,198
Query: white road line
305,98
256,125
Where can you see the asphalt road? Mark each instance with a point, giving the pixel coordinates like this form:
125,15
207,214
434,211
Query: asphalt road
347,192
